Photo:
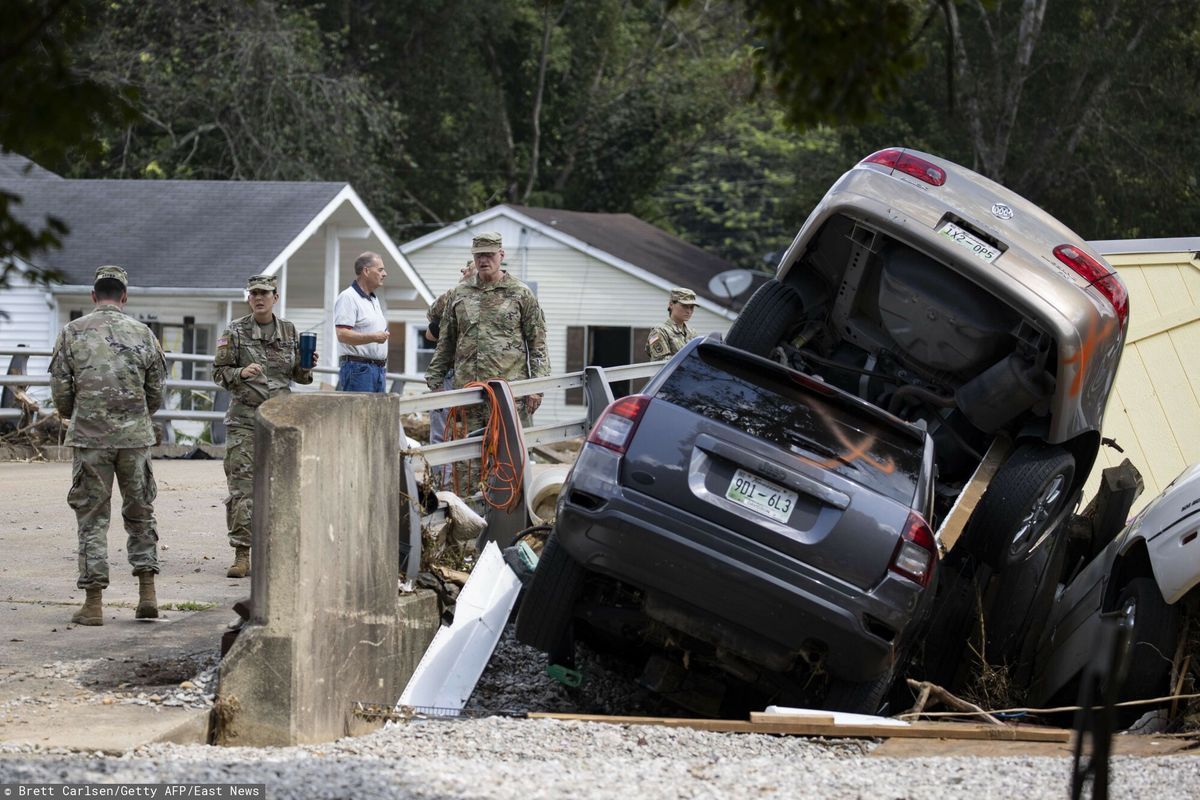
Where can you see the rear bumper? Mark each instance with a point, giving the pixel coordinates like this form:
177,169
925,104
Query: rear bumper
735,581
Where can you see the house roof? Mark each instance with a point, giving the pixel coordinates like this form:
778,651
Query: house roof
183,234
1181,244
638,242
15,166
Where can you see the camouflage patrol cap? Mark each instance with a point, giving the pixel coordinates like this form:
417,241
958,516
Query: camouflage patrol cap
112,272
489,242
263,282
682,295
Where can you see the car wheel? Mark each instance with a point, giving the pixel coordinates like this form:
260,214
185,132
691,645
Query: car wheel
1153,641
1025,498
549,600
863,697
772,310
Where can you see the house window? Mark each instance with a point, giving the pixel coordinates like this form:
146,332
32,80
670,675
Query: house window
423,351
605,346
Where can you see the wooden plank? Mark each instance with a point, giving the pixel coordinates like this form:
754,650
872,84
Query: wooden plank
798,725
1141,328
964,505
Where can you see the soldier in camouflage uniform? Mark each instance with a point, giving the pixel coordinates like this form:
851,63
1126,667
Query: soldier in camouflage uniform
106,375
493,327
258,357
437,417
669,338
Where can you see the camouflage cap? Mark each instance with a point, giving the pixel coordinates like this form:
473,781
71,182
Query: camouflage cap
267,282
113,272
489,242
682,295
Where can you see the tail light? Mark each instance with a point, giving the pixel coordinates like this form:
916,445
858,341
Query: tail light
1095,273
616,425
895,158
916,554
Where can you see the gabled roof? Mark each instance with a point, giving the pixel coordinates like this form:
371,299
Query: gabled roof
15,166
183,234
622,240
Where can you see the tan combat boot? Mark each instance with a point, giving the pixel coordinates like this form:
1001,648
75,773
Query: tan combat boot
241,563
92,612
147,607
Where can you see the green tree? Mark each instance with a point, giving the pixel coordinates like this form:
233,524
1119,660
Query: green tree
48,108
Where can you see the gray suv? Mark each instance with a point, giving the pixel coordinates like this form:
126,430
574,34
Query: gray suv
742,524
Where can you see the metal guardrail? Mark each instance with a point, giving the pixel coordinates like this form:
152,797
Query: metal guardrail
596,383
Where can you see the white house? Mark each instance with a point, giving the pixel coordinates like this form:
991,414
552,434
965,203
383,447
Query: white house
602,280
189,247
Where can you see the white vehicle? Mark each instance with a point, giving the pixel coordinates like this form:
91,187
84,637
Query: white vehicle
1149,574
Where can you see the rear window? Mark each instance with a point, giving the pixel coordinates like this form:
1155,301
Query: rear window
815,423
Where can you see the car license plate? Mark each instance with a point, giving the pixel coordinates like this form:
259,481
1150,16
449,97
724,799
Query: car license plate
973,243
761,495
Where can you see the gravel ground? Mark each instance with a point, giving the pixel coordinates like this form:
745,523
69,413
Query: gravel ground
501,757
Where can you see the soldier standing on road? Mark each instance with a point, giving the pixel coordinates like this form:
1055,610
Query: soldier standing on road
258,357
669,338
107,375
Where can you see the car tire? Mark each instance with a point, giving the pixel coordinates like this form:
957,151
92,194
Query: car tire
863,697
549,600
1153,641
1027,494
769,314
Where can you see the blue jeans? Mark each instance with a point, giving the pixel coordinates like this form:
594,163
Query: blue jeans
355,376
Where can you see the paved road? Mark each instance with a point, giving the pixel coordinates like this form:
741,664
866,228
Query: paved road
61,684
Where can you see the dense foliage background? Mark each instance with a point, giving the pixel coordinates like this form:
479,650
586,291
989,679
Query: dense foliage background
723,121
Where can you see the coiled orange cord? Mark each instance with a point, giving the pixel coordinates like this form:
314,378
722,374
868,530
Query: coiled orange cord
501,472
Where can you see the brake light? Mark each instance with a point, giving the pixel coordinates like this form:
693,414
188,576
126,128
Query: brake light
916,553
1104,280
616,425
895,158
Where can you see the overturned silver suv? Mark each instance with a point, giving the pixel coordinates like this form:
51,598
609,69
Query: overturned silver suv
955,304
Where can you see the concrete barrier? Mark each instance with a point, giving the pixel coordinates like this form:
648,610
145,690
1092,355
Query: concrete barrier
327,627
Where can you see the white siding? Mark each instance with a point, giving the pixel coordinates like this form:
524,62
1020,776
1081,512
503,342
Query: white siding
572,287
29,323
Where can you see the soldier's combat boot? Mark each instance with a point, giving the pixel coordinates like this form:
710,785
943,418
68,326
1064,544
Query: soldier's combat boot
92,612
241,563
147,607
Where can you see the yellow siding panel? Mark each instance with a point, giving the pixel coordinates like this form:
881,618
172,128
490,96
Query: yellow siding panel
1149,422
1118,426
1167,288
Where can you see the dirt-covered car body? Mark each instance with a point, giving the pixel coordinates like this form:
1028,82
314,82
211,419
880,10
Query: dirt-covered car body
741,519
1145,573
956,304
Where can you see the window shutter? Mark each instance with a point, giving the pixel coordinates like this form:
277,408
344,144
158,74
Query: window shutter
395,356
576,340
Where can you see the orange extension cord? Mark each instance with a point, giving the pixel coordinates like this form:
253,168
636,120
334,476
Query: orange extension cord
500,471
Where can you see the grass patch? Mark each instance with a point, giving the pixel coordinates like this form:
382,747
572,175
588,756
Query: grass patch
186,605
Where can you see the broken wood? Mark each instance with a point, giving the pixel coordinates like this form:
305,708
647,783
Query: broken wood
804,725
931,691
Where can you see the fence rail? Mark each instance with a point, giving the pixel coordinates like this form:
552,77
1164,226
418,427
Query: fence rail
596,383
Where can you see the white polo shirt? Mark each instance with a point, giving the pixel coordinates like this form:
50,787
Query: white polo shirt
361,313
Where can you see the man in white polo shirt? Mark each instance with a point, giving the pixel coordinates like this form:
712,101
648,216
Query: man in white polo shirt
362,330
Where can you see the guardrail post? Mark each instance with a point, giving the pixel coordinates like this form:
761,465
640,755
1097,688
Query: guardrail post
8,399
597,393
503,526
411,511
220,403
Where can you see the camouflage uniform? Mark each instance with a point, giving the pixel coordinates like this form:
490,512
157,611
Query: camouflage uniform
106,375
667,339
246,342
489,330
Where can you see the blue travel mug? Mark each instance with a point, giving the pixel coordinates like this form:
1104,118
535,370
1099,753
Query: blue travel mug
308,346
